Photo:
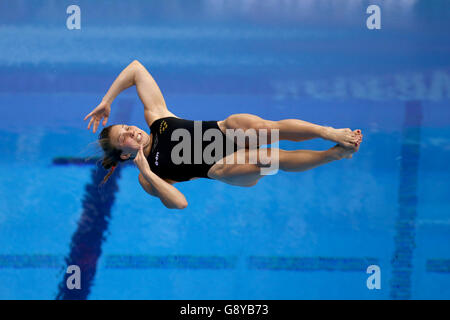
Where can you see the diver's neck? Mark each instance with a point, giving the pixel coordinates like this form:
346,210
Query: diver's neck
148,147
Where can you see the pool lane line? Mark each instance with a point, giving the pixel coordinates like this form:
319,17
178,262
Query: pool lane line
86,243
438,266
197,262
308,264
404,240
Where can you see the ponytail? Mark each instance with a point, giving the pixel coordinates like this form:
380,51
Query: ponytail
112,155
108,175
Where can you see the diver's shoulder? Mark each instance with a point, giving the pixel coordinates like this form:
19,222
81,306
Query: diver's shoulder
151,117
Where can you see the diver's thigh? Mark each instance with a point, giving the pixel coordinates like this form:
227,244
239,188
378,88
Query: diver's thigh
244,175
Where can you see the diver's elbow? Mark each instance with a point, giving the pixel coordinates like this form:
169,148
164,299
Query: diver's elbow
183,205
177,205
136,63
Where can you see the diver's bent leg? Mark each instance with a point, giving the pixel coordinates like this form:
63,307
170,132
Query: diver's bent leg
243,175
302,160
289,129
249,172
298,130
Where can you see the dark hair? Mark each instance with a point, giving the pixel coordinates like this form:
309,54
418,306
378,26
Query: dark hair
111,154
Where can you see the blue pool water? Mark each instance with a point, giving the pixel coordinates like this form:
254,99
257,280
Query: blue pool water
308,235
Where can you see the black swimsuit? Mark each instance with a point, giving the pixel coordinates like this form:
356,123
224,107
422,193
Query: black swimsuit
160,157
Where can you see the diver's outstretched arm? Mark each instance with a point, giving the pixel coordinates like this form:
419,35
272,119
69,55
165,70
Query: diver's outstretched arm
148,91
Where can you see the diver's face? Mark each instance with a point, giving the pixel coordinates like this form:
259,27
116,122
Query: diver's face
128,138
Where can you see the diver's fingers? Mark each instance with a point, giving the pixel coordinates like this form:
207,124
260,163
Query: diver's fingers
96,124
90,114
90,122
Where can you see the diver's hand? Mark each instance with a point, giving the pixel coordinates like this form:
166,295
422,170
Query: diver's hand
101,111
140,161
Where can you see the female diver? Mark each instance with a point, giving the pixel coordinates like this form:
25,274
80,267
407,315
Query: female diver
152,153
